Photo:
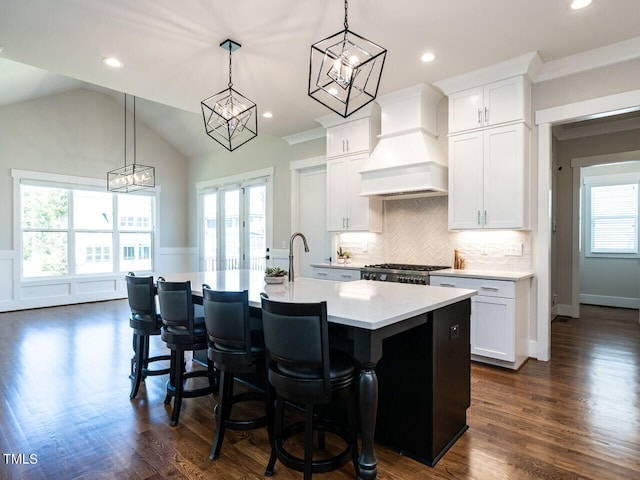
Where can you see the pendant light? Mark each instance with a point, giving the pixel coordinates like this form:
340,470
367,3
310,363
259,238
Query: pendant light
345,70
229,117
134,176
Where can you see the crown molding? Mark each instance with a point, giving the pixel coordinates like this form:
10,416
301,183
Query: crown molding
305,136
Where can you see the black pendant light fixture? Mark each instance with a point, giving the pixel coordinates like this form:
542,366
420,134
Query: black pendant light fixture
345,70
229,117
134,176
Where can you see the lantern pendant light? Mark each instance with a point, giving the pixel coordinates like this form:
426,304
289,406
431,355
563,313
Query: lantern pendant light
345,70
134,176
229,117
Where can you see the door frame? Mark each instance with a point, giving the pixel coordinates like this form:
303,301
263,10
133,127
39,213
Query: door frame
545,119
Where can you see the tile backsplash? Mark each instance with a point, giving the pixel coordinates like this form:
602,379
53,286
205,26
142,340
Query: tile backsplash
416,231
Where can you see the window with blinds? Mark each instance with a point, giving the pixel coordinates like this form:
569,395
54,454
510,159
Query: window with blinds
612,225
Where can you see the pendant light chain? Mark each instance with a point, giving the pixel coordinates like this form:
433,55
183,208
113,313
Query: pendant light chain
125,129
230,83
134,130
346,19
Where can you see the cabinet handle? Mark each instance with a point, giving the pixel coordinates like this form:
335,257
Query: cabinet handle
490,289
485,218
478,217
486,116
343,146
479,116
345,275
347,222
347,145
321,274
447,285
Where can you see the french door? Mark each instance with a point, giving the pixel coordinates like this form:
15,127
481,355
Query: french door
234,227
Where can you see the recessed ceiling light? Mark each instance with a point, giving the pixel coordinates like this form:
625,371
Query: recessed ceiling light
267,114
112,62
578,4
427,57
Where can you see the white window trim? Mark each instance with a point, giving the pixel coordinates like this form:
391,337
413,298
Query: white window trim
240,179
600,180
66,181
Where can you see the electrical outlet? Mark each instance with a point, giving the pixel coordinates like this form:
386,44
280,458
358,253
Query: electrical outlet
484,249
513,250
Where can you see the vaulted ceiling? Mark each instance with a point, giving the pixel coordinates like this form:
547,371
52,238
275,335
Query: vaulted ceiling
171,55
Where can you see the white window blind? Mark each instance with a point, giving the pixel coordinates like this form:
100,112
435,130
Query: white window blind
614,219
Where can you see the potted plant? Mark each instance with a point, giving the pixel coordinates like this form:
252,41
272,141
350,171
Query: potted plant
274,275
341,256
347,257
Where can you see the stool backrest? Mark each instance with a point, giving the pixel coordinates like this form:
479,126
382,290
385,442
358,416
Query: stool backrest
176,305
296,337
141,293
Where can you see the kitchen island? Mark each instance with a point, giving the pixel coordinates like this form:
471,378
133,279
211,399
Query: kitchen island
374,320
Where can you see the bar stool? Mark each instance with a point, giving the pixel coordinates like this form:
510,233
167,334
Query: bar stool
182,331
233,349
145,322
302,369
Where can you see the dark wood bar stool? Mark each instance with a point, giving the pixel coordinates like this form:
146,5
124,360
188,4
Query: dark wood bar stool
145,321
182,332
234,349
303,370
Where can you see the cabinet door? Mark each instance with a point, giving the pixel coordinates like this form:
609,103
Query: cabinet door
358,207
466,110
347,138
465,181
337,191
493,327
504,101
504,182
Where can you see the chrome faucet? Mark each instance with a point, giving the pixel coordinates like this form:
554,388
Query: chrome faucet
306,249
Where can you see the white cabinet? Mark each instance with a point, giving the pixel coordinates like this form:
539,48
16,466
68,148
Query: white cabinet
489,105
499,318
488,180
346,209
337,274
350,137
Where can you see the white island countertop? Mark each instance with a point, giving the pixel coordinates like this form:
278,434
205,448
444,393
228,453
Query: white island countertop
362,303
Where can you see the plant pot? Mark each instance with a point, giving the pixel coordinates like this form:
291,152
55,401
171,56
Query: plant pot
273,280
340,260
347,260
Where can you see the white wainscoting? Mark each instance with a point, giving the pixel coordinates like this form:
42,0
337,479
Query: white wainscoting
22,295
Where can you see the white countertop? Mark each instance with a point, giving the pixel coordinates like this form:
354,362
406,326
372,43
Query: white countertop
362,303
485,274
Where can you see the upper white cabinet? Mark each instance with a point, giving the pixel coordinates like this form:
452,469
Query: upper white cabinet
349,138
348,147
346,209
490,105
488,185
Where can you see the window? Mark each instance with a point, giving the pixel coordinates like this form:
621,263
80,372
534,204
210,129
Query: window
611,229
69,230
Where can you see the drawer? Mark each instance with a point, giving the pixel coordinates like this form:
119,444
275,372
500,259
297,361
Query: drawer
337,274
488,288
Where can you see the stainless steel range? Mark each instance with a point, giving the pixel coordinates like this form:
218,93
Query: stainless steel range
399,272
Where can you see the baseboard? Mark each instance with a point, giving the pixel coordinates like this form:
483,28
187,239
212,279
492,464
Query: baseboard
609,301
565,310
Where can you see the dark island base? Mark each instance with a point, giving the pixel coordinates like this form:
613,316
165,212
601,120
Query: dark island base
424,386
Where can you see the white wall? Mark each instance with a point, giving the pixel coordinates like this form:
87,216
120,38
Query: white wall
81,133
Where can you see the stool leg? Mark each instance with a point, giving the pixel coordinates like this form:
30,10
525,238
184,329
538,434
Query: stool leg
145,356
223,412
275,429
137,365
308,442
172,375
179,386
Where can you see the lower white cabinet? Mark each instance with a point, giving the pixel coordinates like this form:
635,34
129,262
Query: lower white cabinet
338,274
499,318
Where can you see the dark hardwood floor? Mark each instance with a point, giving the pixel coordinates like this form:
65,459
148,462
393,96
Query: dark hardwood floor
65,402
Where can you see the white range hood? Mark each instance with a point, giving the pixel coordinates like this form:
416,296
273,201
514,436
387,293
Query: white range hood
407,161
